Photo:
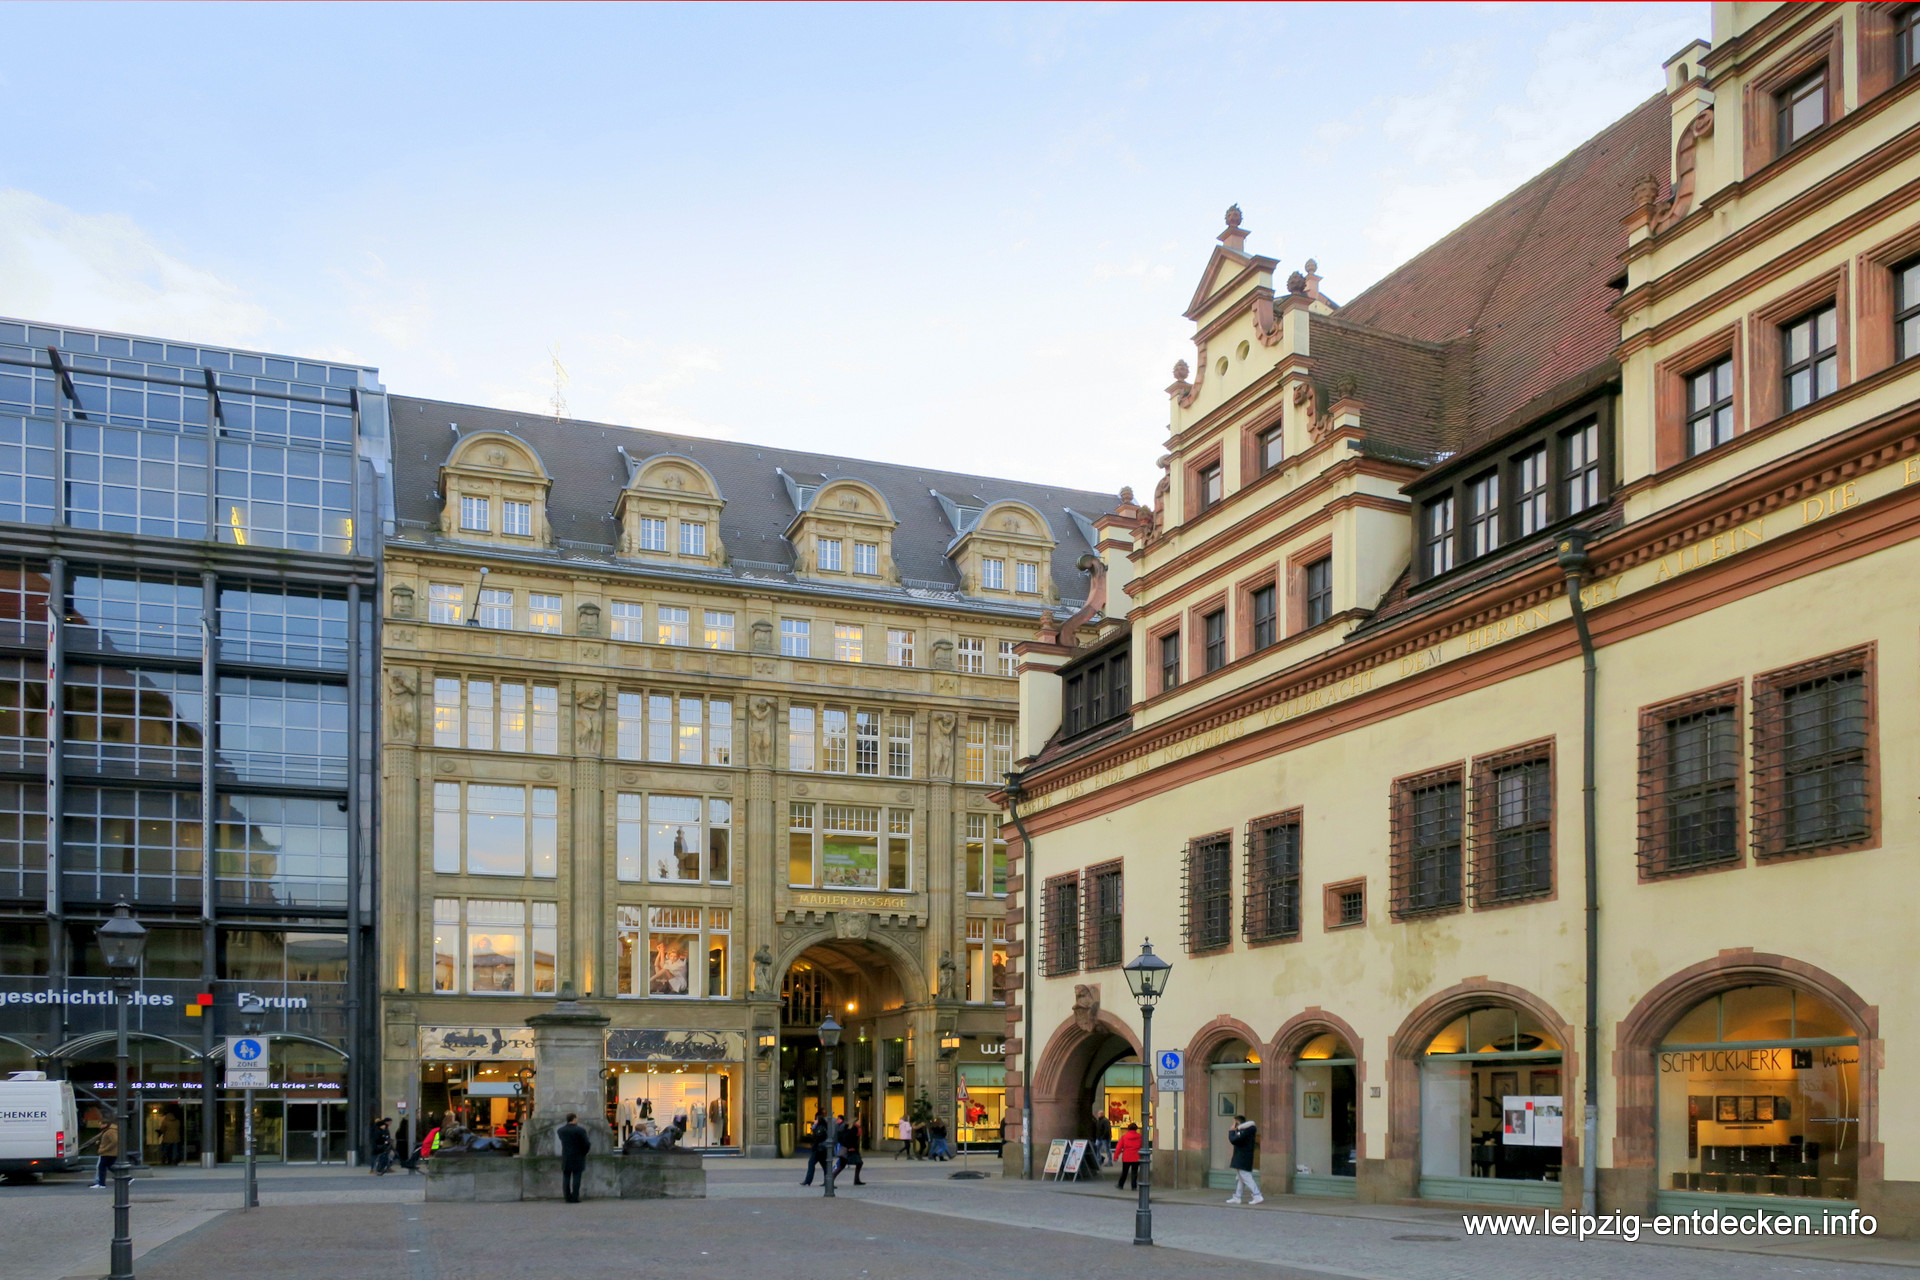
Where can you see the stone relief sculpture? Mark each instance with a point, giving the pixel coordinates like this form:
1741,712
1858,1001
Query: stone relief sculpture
763,972
949,976
1086,1005
587,701
403,710
760,733
942,744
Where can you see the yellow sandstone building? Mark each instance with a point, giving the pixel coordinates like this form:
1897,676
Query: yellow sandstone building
705,731
1330,746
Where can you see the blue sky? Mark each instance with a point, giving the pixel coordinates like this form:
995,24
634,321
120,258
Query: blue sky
958,236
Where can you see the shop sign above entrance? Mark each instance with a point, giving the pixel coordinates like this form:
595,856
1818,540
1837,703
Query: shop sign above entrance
457,1044
858,901
646,1044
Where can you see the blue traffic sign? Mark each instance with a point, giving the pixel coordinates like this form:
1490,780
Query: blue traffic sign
246,1050
1171,1061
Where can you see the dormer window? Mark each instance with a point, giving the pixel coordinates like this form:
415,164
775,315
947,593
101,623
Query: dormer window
473,515
653,534
1801,108
1580,467
693,538
1530,490
1436,539
993,573
1026,578
1483,514
866,558
516,518
830,554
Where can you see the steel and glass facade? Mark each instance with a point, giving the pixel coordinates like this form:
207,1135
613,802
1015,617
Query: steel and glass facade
189,555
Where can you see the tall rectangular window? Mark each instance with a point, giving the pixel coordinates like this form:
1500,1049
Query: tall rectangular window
1266,616
1061,924
545,738
1319,591
479,715
993,573
986,858
1530,490
1436,535
975,761
829,554
1214,628
719,732
1271,908
1906,41
850,847
446,945
660,726
1906,279
1812,741
673,839
1426,850
1810,364
496,939
1801,108
719,841
1009,660
1211,486
1580,467
513,716
1483,514
866,743
1208,887
474,513
849,642
1105,945
484,829
446,711
674,625
899,744
688,738
800,869
1026,577
899,849
1000,762
543,612
899,647
971,652
630,736
629,622
1272,447
496,609
516,518
866,558
653,533
718,632
1690,783
800,738
693,538
796,637
1513,825
446,602
833,740
1169,661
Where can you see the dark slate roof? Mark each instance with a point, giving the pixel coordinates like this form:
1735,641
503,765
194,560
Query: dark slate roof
588,474
1516,297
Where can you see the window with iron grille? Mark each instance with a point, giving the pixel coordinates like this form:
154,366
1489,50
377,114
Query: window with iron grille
1427,867
1215,627
1690,783
1353,906
1207,893
1270,908
1513,825
1812,754
1104,944
1061,921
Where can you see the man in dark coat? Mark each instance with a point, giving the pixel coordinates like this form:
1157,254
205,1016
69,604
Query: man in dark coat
818,1149
574,1145
1245,1137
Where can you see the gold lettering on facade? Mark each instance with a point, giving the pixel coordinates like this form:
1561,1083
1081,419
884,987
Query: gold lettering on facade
1600,593
867,901
1423,660
1832,502
1506,629
1912,471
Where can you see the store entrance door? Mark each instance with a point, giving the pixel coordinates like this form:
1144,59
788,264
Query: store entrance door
316,1132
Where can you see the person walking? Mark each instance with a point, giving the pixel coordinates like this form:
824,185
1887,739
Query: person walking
817,1152
1245,1137
937,1134
380,1143
574,1145
904,1131
170,1145
108,1151
850,1153
1130,1155
1102,1138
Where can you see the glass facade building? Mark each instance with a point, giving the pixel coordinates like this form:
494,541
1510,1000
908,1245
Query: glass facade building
189,556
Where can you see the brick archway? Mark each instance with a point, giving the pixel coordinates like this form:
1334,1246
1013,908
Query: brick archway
1063,1075
1196,1116
1637,1042
1277,1095
1398,1176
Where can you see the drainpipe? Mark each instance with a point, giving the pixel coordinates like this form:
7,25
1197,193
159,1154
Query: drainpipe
1027,959
1576,564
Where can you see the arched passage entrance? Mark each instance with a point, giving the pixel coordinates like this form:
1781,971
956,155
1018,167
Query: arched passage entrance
1316,1072
1091,1064
888,1046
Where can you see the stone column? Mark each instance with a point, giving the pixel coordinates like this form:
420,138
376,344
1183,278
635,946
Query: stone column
584,879
404,968
762,866
569,1049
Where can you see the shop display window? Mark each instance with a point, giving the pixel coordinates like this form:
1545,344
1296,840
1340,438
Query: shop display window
986,961
1759,1094
648,1097
1325,1110
687,951
1233,1088
1490,1099
984,1110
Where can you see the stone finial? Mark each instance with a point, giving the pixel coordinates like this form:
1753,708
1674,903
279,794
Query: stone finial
1234,237
1126,493
1180,370
1233,215
1312,266
1646,191
1296,283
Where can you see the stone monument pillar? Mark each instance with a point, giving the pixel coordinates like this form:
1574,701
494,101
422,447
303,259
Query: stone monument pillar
569,1050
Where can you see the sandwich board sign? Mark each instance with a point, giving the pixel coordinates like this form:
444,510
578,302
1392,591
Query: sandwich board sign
247,1062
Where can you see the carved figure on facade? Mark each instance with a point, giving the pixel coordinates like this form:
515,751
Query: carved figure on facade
403,710
760,732
763,972
854,925
1086,1005
949,976
941,744
587,701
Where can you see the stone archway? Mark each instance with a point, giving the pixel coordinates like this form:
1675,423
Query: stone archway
1630,1183
1276,1126
855,929
1397,1177
1064,1074
1196,1117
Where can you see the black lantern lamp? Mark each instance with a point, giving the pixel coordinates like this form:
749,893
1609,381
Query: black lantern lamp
829,1037
121,939
1147,977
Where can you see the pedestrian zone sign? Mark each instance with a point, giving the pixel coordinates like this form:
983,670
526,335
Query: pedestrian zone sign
248,1061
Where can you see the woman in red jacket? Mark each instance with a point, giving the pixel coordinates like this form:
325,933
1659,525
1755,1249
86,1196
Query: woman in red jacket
1129,1145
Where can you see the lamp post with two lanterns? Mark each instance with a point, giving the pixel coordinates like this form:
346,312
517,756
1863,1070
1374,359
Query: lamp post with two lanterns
1147,977
122,939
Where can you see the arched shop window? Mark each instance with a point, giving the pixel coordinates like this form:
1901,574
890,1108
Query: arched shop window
1491,1110
1759,1094
1326,1117
1233,1088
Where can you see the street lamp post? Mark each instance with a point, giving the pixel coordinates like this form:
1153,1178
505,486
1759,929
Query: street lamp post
829,1037
122,939
1147,978
253,1012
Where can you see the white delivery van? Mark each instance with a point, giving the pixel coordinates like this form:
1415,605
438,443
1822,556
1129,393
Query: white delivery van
39,1125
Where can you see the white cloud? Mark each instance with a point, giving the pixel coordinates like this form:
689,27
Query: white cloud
104,271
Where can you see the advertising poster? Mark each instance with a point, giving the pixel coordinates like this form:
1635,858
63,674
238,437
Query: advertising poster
850,863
